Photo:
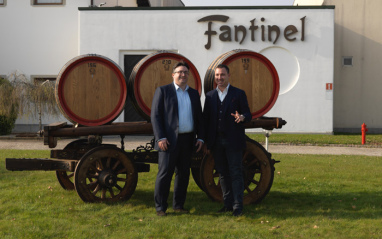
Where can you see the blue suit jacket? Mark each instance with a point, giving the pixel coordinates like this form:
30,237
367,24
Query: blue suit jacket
165,117
236,100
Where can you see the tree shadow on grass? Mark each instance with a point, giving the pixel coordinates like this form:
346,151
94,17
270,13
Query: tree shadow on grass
346,205
358,205
197,201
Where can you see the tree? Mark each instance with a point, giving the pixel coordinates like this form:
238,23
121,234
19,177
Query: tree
35,99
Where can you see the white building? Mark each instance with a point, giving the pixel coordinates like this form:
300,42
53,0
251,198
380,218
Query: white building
46,37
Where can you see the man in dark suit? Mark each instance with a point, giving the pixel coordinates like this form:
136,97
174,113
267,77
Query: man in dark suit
225,110
176,116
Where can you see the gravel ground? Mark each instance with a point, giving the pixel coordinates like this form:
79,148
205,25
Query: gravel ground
132,142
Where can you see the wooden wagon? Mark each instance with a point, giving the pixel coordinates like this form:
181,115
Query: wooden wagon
107,173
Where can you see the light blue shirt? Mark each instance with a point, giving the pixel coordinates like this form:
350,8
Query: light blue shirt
186,121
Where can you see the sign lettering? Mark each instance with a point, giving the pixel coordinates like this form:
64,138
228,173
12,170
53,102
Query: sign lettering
240,32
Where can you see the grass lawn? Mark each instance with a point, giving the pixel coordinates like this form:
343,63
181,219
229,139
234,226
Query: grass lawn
313,196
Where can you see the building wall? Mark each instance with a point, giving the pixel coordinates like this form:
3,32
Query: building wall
38,41
133,3
166,3
308,2
305,67
357,89
114,3
43,39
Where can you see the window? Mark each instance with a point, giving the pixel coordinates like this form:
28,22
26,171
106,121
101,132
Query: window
3,2
42,79
48,2
347,61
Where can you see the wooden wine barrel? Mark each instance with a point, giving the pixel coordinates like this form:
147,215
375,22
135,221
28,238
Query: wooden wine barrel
153,71
251,72
91,90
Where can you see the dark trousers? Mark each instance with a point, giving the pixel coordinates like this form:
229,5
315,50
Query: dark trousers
178,161
228,164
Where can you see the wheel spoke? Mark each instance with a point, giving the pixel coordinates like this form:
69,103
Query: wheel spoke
123,170
258,171
253,171
111,192
103,195
93,185
94,169
90,176
250,163
116,165
254,181
95,191
100,165
248,189
119,187
122,179
108,162
70,175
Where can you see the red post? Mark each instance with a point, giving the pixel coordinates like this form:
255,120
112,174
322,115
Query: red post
364,130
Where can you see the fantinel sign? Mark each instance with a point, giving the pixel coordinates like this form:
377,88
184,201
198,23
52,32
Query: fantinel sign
239,32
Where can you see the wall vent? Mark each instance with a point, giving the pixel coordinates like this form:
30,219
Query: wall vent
347,61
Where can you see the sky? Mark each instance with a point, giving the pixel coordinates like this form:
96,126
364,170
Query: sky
189,3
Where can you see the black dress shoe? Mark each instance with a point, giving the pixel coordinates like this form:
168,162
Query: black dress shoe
225,209
237,212
161,213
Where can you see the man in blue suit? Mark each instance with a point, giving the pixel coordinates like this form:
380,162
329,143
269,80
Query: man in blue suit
225,110
176,117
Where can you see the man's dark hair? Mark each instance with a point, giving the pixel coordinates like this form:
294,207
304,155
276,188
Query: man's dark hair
180,63
223,66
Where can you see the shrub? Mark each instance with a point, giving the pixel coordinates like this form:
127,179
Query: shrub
8,107
6,124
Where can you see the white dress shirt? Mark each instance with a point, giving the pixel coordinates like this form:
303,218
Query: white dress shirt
222,94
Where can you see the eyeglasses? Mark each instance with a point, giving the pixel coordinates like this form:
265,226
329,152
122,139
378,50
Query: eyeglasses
182,72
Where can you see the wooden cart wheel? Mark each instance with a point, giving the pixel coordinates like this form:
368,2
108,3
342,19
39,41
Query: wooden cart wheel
258,173
65,178
105,174
209,179
197,159
195,172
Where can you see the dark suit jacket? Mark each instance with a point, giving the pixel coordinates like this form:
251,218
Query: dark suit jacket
165,117
236,100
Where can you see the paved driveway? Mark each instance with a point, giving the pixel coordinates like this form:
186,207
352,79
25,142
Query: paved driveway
132,142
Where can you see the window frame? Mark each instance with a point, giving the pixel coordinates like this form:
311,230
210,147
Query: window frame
36,79
36,3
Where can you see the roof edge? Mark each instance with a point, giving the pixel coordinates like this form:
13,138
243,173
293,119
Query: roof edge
203,8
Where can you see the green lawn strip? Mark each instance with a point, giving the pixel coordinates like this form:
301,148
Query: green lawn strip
312,196
319,139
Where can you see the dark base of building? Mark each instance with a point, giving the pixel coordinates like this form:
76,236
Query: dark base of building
34,128
356,130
